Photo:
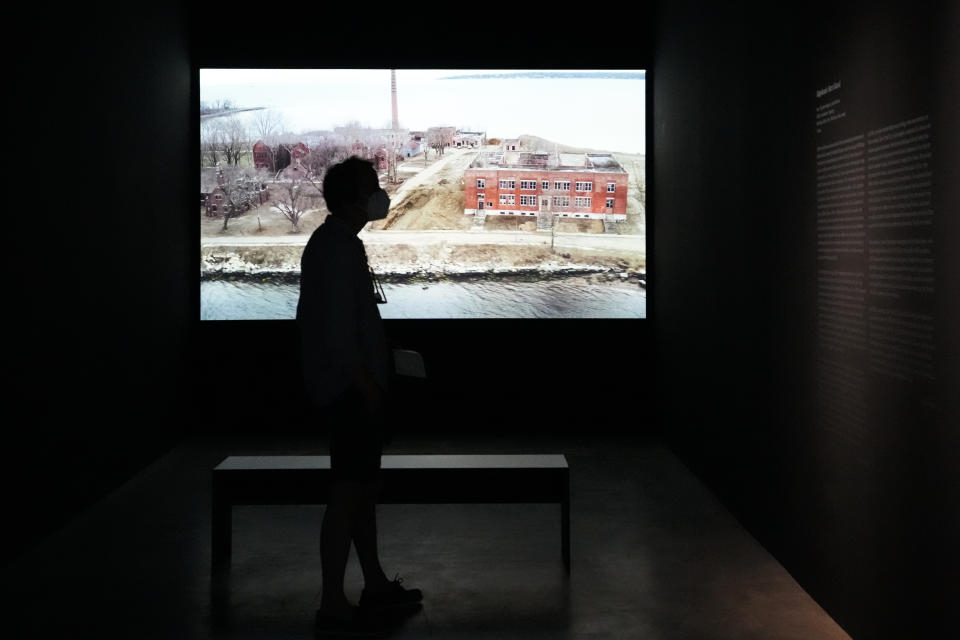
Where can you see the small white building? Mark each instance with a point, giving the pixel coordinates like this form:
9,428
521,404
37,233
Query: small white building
511,144
469,139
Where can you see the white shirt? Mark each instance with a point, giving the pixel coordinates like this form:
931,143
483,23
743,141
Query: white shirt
337,313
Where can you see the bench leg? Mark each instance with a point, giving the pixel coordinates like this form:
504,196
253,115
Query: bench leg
221,535
565,529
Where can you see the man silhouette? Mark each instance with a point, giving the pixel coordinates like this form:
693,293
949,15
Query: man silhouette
346,367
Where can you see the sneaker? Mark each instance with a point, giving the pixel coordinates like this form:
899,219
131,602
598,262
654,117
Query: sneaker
357,626
393,597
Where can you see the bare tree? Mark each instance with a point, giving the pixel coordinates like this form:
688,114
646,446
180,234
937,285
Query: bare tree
233,140
210,145
242,191
437,140
267,124
324,155
292,203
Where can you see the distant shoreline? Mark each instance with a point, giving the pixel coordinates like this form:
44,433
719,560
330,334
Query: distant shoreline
552,75
228,112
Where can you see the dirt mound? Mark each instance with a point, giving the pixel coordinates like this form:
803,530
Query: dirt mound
438,206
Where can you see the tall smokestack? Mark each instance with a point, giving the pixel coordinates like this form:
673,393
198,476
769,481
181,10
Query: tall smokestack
393,95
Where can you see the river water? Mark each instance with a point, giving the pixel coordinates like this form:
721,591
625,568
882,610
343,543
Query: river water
595,296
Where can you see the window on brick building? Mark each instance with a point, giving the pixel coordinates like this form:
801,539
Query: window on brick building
611,187
584,186
545,185
610,203
480,183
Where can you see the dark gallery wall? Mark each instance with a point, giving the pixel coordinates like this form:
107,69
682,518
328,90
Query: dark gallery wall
97,344
830,431
109,366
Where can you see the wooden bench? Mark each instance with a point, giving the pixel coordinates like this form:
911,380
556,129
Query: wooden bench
406,479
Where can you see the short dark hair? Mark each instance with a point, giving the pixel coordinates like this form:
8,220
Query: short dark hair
344,182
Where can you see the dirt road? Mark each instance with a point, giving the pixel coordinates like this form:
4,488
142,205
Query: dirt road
604,242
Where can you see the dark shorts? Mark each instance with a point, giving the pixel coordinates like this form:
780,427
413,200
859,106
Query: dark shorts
356,438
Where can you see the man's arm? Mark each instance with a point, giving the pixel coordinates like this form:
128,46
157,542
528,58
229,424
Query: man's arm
338,299
360,376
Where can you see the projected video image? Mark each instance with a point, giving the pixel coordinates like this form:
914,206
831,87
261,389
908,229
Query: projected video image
514,194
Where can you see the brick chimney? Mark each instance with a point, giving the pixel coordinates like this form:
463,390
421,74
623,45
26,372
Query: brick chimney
393,97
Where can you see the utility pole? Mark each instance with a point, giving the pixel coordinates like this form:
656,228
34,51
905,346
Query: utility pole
553,230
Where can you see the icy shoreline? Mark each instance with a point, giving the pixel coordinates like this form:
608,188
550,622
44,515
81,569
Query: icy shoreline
223,263
235,269
401,274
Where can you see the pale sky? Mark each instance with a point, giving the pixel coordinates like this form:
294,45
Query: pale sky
602,113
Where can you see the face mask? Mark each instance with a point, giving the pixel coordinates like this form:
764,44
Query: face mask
377,205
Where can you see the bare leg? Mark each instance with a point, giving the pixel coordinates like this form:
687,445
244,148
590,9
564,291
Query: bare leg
335,534
365,539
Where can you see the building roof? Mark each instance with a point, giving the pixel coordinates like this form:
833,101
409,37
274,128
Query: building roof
594,162
572,160
599,160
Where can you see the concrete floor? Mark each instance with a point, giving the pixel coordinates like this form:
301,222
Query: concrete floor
654,555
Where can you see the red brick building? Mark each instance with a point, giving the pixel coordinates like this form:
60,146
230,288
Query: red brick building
286,153
533,184
380,159
216,202
262,156
234,191
298,151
